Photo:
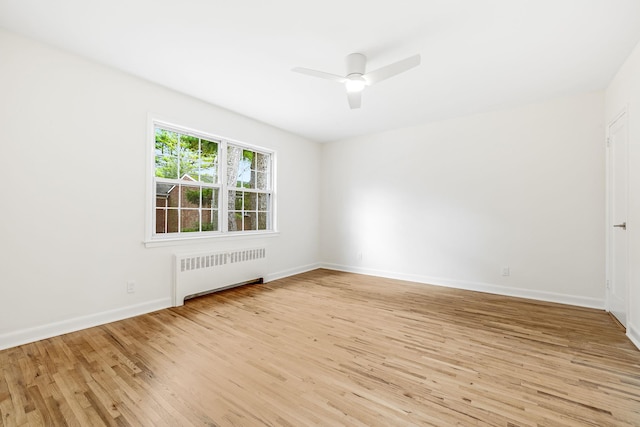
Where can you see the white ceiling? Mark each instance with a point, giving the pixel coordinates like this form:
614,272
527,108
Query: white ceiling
477,55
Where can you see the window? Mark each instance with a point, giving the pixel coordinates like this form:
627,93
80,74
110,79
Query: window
204,185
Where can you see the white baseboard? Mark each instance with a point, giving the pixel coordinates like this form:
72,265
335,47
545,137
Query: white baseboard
634,335
477,286
291,272
28,335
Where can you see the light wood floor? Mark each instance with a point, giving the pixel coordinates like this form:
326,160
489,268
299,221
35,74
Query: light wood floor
329,348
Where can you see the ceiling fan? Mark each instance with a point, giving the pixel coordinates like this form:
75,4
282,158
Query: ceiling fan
356,80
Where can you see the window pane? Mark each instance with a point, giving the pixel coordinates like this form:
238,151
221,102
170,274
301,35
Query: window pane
162,194
262,168
210,220
250,158
234,156
243,178
166,154
250,175
190,196
234,221
209,197
263,202
262,162
161,221
237,202
252,180
208,161
244,174
250,203
215,220
261,181
167,195
250,221
262,221
189,154
172,221
189,220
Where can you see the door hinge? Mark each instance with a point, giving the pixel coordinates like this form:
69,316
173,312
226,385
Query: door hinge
608,142
608,285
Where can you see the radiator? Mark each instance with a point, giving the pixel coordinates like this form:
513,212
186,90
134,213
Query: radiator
202,273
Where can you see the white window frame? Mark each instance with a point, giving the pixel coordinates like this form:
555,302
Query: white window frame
155,239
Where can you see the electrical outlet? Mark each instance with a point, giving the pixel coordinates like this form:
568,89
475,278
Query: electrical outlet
131,286
359,256
506,271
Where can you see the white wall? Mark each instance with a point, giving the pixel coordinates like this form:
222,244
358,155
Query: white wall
624,92
453,202
73,140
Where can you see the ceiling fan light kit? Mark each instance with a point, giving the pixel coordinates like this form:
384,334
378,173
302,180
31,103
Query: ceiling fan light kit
355,83
357,79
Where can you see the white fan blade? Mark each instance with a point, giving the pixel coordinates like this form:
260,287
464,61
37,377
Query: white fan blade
320,74
391,70
355,99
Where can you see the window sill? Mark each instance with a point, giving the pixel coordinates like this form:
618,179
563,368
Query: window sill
179,241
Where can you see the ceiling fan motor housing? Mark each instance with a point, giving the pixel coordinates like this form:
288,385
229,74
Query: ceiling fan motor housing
356,63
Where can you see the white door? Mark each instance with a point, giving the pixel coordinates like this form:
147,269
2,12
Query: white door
618,252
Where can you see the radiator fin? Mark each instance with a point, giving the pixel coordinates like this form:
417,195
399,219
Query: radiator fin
221,258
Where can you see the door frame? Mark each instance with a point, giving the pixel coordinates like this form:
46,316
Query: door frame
622,115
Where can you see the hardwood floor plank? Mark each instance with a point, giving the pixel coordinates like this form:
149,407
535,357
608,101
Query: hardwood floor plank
17,399
38,402
331,348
